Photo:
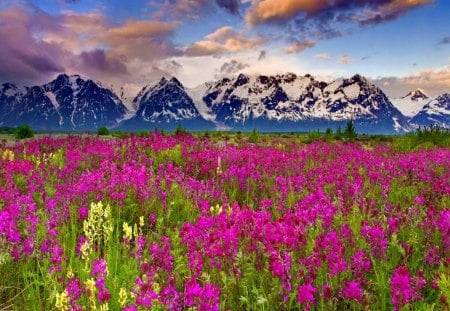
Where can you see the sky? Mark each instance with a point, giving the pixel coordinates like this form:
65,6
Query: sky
398,44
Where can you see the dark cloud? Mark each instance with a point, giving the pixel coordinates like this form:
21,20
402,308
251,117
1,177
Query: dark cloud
40,63
25,59
231,6
193,9
445,40
97,60
232,66
262,55
365,57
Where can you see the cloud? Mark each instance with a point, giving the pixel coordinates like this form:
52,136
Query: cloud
316,20
267,11
130,53
97,61
322,56
445,40
203,48
299,46
232,66
433,81
387,11
223,40
193,9
24,59
231,6
345,59
262,55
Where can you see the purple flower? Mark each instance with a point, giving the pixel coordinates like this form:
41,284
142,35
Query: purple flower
352,290
306,293
400,287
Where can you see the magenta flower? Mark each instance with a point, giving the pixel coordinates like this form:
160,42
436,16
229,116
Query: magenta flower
400,287
306,294
352,291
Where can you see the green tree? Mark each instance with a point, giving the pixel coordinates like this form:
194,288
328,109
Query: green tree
254,136
350,131
103,131
24,131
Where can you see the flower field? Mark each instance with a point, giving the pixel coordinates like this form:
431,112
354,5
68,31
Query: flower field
183,222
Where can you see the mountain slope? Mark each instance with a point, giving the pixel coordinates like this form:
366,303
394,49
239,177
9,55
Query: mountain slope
166,105
410,104
291,102
66,103
436,112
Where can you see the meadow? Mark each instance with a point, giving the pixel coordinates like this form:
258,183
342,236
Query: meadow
213,222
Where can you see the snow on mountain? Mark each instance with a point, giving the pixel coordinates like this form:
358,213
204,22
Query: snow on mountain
245,100
66,103
410,104
436,111
285,102
165,106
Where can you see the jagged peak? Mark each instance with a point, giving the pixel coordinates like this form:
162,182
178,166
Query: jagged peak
175,81
417,94
358,78
241,80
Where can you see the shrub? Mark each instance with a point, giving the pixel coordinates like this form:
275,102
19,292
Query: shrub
424,137
180,130
24,131
254,136
103,131
350,131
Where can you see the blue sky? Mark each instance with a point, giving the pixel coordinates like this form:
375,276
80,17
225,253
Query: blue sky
399,44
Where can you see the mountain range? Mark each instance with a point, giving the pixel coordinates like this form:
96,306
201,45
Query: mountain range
279,103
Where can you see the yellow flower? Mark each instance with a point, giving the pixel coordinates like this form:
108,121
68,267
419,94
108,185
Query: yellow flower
128,231
62,301
141,221
123,297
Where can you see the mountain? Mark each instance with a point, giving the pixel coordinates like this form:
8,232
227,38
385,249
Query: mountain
300,103
66,103
436,111
280,103
166,105
411,103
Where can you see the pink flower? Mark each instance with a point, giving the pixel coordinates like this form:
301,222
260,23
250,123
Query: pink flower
400,286
352,290
306,293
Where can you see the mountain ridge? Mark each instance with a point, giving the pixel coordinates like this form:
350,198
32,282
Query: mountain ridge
283,102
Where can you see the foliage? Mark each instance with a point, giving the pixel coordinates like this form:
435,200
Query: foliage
349,131
157,222
24,131
103,131
424,137
254,136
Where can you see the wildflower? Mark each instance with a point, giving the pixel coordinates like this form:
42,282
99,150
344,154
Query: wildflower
353,290
127,232
400,287
99,268
306,294
62,301
123,297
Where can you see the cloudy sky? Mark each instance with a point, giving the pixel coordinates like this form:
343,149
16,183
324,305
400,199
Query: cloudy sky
399,44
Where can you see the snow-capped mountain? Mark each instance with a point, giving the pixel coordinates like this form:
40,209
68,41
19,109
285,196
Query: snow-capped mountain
166,105
411,103
66,103
436,111
286,102
291,102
